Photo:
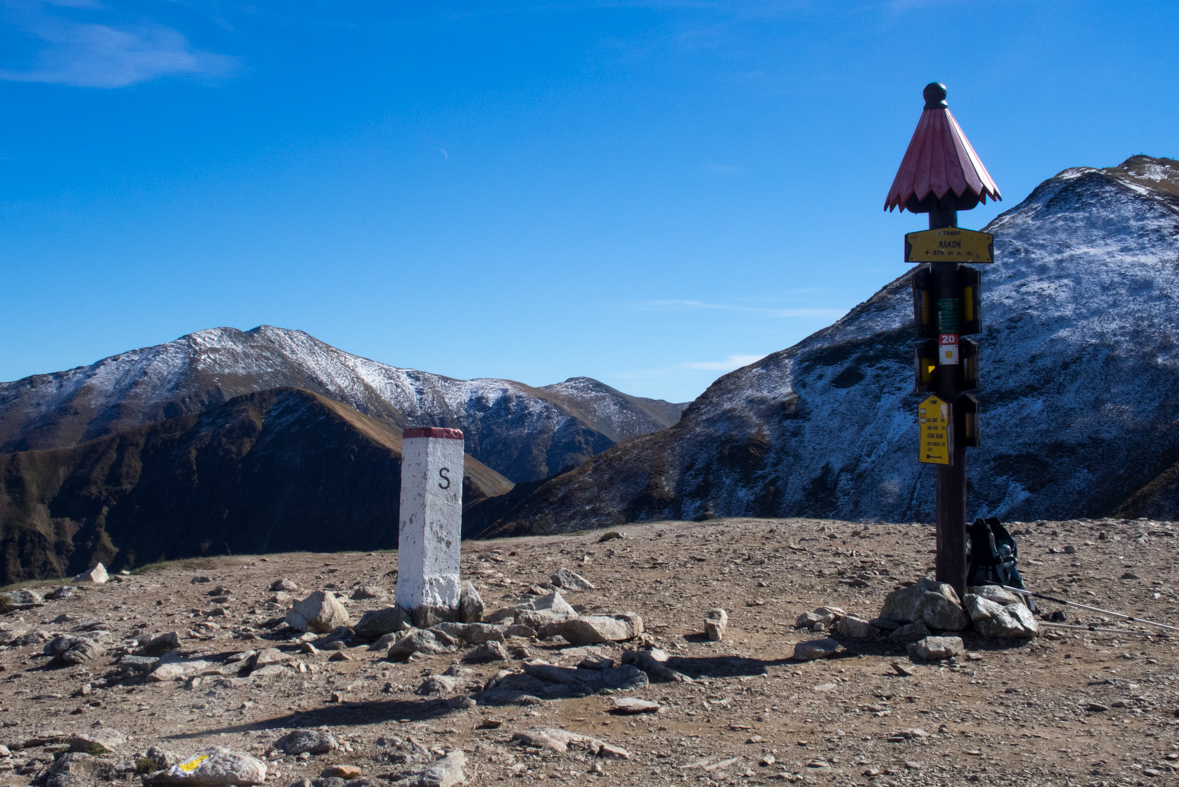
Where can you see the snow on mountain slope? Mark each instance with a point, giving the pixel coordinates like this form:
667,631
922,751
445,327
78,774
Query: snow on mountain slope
522,432
1080,387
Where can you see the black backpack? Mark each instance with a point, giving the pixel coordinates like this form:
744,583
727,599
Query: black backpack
993,551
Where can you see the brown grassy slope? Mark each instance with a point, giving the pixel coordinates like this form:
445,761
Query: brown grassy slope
275,471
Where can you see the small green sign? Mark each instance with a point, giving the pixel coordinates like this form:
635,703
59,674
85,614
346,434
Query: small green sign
947,315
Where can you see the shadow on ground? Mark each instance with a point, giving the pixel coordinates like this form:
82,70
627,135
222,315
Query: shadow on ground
352,713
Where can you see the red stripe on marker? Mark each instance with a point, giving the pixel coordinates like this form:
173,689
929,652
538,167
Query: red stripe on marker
432,431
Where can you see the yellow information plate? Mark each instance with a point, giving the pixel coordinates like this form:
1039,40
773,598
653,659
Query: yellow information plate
949,245
933,417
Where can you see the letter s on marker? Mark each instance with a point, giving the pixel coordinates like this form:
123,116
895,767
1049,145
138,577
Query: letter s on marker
443,475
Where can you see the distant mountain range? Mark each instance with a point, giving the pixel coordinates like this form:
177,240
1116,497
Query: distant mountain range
274,471
522,432
270,440
226,441
1080,390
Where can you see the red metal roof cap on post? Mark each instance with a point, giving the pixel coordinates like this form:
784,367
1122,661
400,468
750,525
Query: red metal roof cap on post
432,431
940,170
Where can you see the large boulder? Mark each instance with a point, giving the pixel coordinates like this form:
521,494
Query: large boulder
320,612
933,603
214,767
590,630
991,619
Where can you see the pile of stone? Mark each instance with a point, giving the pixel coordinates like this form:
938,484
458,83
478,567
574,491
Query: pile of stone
923,616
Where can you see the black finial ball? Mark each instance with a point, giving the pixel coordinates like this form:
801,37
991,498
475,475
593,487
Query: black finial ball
935,96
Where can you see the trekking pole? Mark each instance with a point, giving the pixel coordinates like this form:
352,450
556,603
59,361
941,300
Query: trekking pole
1096,630
1093,609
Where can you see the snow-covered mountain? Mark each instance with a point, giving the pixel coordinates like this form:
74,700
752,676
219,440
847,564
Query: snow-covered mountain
1080,389
522,432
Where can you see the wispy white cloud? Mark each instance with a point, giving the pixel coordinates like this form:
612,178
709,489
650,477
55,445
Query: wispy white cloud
725,170
727,365
768,311
90,54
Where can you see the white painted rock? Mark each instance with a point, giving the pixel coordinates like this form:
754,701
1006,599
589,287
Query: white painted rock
320,612
97,575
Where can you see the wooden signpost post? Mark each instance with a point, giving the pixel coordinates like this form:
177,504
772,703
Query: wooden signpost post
941,175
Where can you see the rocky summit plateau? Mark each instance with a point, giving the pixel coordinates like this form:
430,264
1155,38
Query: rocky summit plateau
759,651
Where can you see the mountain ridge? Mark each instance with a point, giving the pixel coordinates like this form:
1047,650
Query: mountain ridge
277,470
1079,367
523,432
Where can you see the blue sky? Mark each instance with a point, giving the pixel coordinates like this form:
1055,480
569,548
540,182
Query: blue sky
647,193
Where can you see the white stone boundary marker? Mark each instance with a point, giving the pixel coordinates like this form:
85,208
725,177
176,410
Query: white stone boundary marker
428,586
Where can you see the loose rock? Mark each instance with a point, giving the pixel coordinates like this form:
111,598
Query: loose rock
470,604
425,641
309,741
815,649
320,612
564,578
444,772
934,648
715,624
100,741
630,706
486,653
378,622
856,628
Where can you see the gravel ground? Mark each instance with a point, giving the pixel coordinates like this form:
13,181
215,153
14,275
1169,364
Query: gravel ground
1078,707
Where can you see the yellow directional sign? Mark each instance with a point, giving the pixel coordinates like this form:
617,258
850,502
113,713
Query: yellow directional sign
949,245
934,421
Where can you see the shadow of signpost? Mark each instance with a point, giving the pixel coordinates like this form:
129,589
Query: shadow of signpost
352,713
